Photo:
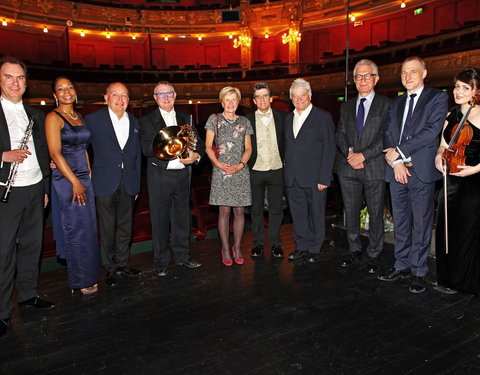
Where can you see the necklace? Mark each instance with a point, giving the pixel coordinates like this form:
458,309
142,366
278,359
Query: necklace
69,114
228,120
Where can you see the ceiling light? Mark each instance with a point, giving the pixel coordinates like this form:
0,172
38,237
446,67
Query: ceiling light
403,5
45,30
134,36
352,18
4,22
107,36
82,33
166,38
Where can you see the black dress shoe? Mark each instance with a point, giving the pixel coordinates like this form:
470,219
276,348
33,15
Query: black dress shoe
257,251
277,251
4,323
128,271
190,263
37,302
393,274
296,255
372,265
350,259
312,257
417,285
444,289
162,271
111,279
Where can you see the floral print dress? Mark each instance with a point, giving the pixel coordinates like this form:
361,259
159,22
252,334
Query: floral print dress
230,190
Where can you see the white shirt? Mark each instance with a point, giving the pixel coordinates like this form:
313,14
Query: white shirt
405,112
299,119
28,172
171,120
121,126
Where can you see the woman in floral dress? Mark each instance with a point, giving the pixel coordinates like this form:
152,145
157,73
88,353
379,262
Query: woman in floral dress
230,134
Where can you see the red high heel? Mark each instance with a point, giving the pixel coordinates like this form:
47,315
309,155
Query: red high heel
237,260
226,262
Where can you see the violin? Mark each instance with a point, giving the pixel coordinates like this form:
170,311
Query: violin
454,154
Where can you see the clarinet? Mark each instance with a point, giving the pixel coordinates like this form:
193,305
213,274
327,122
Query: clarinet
14,167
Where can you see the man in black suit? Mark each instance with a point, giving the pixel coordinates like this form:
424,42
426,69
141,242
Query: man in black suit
411,139
360,163
116,178
266,170
309,158
21,218
168,183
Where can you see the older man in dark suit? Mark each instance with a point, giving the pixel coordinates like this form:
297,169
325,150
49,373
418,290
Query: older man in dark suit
309,158
21,214
116,178
266,170
411,139
360,163
168,183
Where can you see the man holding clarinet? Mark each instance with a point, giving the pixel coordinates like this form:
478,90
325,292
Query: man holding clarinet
23,192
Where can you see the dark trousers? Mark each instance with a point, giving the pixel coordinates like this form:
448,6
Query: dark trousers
115,216
352,188
169,199
272,181
21,231
307,207
413,205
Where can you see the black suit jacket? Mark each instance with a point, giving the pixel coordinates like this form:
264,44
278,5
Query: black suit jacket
39,140
427,122
279,118
370,144
108,157
151,124
309,158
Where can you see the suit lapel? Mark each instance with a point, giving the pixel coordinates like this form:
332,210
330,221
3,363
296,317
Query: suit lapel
401,110
4,135
422,100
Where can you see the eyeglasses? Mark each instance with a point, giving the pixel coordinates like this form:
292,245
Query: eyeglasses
366,77
162,95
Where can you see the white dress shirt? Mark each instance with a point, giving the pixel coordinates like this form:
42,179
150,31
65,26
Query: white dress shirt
121,126
28,172
299,119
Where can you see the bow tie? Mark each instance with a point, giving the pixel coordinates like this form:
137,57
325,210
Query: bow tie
264,115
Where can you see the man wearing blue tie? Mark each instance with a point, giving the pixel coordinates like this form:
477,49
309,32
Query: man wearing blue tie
360,164
413,124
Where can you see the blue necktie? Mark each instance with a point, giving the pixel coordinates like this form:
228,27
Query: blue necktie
408,120
360,117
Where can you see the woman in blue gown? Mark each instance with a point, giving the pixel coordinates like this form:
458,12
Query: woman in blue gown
67,138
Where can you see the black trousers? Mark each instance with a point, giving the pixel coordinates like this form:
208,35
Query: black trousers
271,182
21,235
115,216
169,199
307,206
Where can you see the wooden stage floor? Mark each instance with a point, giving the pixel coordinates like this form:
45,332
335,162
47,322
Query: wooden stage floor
265,317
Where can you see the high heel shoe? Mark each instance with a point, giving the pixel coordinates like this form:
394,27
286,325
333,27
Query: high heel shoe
237,259
87,291
226,262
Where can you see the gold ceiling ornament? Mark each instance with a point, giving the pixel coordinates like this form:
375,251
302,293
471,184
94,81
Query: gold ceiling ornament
45,5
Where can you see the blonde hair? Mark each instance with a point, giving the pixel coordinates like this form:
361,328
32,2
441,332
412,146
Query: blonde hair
229,90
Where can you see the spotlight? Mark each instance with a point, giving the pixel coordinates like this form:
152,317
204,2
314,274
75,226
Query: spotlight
4,22
403,5
267,36
107,36
352,18
45,30
82,33
166,38
134,36
230,36
199,37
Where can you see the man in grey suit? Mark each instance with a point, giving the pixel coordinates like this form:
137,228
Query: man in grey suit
266,169
360,163
413,125
309,158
